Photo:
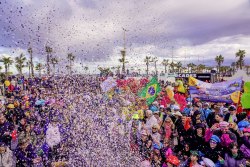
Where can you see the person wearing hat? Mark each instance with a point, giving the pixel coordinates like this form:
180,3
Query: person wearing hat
155,134
157,116
214,151
6,156
224,133
166,149
231,116
172,161
187,110
9,113
156,157
194,157
150,121
206,110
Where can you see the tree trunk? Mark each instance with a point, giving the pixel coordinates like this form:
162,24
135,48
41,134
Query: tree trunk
29,71
155,69
70,66
6,69
32,65
48,67
147,70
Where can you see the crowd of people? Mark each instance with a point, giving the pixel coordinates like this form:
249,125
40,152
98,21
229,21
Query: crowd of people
70,121
201,134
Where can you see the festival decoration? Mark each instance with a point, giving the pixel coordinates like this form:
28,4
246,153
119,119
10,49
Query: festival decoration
150,91
217,92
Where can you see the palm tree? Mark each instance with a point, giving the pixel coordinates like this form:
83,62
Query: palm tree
191,67
104,71
39,68
209,68
139,71
7,61
165,63
123,61
172,66
31,61
28,64
155,59
241,54
178,66
247,68
233,66
54,62
20,63
118,69
147,60
219,59
48,51
71,59
86,68
201,67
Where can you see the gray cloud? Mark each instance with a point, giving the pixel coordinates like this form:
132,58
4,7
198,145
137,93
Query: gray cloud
92,29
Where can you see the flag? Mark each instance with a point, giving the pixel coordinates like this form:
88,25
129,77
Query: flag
192,81
181,87
247,87
245,100
150,91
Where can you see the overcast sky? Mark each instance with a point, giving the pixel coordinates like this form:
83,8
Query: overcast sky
198,30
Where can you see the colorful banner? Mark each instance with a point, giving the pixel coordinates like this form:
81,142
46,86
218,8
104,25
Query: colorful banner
226,92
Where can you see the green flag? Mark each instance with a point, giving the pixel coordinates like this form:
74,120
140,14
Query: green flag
150,91
245,98
247,87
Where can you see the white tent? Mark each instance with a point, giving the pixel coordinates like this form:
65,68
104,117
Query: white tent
240,73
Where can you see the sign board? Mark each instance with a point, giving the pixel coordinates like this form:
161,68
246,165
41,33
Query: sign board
199,76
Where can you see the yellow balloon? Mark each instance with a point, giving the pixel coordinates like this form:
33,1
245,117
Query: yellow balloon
235,96
7,83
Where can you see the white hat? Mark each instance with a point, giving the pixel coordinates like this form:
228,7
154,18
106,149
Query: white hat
161,106
176,107
177,113
155,103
